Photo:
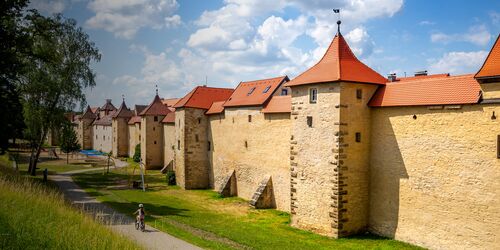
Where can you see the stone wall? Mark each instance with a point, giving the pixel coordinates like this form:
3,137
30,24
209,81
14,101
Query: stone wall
253,150
134,137
169,144
491,90
103,136
435,176
192,168
86,133
352,159
312,156
120,137
152,141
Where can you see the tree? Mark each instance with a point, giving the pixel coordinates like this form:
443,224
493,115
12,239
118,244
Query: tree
14,45
68,140
58,70
137,153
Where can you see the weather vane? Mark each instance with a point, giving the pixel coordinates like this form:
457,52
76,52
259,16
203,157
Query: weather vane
156,89
123,97
338,20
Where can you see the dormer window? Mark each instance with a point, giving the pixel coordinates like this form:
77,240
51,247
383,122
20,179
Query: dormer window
251,91
267,89
284,91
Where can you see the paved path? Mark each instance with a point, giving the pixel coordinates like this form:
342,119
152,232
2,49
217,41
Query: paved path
150,239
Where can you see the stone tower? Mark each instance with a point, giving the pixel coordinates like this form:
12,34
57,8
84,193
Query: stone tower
330,142
85,131
152,133
191,156
120,130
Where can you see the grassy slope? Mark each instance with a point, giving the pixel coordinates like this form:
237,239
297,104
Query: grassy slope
229,217
34,216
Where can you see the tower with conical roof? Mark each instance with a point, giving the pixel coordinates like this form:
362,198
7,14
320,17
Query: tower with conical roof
120,130
85,132
152,133
329,146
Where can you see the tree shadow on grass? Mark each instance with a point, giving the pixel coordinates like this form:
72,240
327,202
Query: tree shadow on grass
150,209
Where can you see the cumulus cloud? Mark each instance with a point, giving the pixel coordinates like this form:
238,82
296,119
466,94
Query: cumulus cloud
459,62
478,35
125,18
360,42
48,6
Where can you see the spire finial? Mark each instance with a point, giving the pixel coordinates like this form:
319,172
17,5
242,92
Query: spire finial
338,21
156,89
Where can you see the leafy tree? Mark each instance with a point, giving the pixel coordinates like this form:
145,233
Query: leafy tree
137,153
13,46
68,140
57,72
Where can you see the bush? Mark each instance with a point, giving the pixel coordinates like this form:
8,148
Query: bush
137,153
171,178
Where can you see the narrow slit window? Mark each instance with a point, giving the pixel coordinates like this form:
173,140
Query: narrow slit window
197,139
155,142
310,121
209,146
249,118
498,146
251,91
178,145
156,118
359,94
266,89
313,95
358,137
199,120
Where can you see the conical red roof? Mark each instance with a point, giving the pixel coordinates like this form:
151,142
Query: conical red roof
123,112
491,66
338,64
156,108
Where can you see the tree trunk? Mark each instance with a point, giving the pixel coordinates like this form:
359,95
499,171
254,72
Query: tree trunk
34,162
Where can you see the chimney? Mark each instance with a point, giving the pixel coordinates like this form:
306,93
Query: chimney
421,73
391,77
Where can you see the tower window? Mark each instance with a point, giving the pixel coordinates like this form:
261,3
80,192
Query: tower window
155,118
196,138
359,94
209,146
284,91
199,120
249,118
178,145
358,137
155,142
251,91
310,121
266,89
498,146
313,95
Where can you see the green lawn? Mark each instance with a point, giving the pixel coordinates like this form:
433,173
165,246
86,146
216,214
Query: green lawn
34,215
183,213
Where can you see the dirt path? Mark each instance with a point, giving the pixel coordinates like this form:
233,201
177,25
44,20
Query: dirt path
150,239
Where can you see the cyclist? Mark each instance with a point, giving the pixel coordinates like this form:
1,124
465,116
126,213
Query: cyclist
140,213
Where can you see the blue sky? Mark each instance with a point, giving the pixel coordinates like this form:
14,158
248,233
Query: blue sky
180,44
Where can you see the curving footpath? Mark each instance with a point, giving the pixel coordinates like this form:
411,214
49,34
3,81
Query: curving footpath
150,239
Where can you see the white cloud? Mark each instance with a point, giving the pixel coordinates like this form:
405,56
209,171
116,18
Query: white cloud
360,42
458,62
173,21
125,18
426,22
48,6
478,35
495,17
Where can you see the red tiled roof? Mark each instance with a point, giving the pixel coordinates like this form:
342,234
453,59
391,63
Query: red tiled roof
139,108
279,104
169,118
105,120
216,108
242,96
491,66
108,106
202,97
156,108
446,90
170,102
338,64
89,114
134,120
123,112
421,77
